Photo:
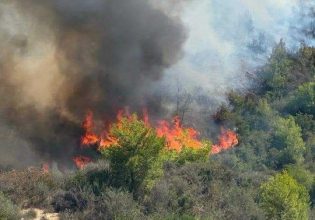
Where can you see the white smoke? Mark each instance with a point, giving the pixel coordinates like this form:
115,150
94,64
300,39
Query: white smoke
228,38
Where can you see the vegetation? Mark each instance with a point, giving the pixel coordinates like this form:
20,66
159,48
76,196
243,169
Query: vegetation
283,198
270,174
8,211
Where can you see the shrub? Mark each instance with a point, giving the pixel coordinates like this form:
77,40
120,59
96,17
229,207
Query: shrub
112,204
288,141
136,153
283,198
8,211
27,188
304,99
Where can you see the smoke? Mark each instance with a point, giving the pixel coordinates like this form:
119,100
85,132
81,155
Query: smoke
61,58
228,38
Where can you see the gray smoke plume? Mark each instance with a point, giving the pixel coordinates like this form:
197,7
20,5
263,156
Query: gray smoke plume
60,58
228,38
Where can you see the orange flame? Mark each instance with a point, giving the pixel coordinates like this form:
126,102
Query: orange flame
107,141
81,161
176,136
228,139
45,168
146,117
89,138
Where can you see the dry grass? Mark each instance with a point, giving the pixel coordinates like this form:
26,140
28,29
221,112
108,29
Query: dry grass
27,188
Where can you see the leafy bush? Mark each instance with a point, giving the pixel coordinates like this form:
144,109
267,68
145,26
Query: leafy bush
112,204
288,142
136,152
201,191
137,155
283,198
304,99
8,211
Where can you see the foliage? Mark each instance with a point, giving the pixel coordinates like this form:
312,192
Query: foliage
303,100
301,175
27,188
278,69
112,204
8,211
288,142
283,198
140,177
135,153
139,154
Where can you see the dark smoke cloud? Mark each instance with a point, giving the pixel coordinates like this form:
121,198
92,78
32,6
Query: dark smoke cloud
61,58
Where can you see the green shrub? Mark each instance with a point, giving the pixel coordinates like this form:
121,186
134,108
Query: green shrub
112,204
304,99
8,211
288,142
283,198
137,156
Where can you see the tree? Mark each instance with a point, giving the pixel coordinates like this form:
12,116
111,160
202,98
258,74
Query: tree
137,154
301,175
283,198
278,68
135,151
304,99
288,141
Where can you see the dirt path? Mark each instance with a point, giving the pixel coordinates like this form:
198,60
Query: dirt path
41,214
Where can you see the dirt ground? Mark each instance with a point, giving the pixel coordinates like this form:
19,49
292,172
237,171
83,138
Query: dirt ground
41,214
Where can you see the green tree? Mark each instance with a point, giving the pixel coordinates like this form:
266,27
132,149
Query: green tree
301,175
283,198
278,68
135,152
288,141
137,155
304,99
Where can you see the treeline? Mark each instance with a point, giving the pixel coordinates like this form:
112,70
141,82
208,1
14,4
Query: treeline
269,175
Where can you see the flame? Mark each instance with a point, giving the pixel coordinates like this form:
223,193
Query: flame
89,138
45,168
228,139
146,117
107,140
81,161
176,136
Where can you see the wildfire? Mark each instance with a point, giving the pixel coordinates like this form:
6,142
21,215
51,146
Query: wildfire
89,137
108,141
228,139
45,168
178,137
81,161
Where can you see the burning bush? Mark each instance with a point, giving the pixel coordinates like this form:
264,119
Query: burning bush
137,151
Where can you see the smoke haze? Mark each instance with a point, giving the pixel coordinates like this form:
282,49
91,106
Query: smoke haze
227,38
61,58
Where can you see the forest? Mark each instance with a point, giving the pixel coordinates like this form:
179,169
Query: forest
269,172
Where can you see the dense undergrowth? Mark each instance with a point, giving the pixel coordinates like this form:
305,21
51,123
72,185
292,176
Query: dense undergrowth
269,175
